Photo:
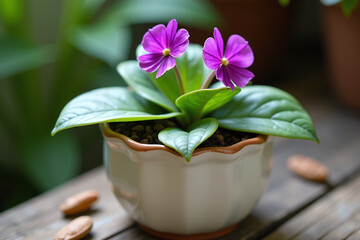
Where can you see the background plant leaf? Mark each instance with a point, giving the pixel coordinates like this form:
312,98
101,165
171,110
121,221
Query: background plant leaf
186,142
143,85
197,104
198,13
18,56
109,38
266,110
105,40
112,104
49,161
348,6
11,11
284,3
91,6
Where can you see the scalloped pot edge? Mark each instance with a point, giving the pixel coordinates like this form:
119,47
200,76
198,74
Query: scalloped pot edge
136,146
208,195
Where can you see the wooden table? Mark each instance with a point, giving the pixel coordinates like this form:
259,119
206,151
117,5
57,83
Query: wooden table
291,208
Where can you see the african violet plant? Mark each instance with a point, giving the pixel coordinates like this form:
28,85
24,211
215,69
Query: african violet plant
181,89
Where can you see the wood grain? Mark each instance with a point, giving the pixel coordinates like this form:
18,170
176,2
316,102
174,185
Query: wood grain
334,216
40,217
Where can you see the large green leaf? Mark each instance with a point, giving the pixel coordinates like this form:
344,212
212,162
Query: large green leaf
17,56
113,104
49,161
140,81
186,142
266,110
197,104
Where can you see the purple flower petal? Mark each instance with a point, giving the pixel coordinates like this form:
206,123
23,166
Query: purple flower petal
239,76
170,32
154,40
211,55
150,62
219,42
223,75
167,64
180,43
238,52
163,44
230,68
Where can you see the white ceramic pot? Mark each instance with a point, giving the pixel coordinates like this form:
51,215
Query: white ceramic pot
206,197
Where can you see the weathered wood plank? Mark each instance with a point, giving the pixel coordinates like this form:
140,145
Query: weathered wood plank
334,215
346,229
40,218
134,234
354,236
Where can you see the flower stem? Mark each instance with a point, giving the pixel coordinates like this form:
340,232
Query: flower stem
208,80
178,76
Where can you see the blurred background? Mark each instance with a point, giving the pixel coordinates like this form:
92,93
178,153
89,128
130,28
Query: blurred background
51,51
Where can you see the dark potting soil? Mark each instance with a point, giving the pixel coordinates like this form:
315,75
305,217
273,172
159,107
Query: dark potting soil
147,132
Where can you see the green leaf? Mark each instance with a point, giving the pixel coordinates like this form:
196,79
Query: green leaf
113,104
49,161
186,142
90,6
199,13
284,3
192,68
142,84
266,110
198,103
106,40
11,12
18,56
348,6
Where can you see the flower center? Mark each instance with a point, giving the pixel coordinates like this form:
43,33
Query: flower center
166,52
224,61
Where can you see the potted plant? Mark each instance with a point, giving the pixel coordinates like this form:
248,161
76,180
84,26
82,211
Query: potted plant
184,185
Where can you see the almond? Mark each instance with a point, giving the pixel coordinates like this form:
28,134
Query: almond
307,168
76,229
79,202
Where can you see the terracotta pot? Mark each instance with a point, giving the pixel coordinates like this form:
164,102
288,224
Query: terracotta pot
263,23
342,42
171,198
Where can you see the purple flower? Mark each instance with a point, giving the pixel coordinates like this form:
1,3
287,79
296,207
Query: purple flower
230,67
163,44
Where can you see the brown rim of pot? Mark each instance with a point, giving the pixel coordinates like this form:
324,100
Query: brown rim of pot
107,132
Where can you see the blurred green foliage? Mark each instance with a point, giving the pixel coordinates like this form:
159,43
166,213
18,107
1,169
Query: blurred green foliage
38,77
